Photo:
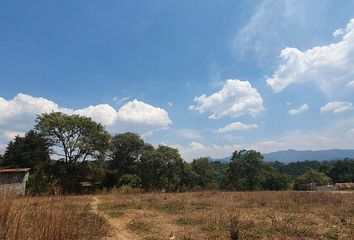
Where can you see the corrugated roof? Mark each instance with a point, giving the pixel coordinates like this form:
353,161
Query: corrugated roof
14,170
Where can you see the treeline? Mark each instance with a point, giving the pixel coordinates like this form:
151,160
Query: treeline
86,157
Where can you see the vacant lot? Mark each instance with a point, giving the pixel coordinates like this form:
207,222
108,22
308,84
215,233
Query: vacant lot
220,215
198,215
50,218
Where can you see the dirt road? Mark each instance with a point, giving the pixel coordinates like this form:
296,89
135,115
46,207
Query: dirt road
119,225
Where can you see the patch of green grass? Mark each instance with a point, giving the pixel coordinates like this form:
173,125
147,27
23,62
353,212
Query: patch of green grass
138,226
115,214
331,235
170,207
103,206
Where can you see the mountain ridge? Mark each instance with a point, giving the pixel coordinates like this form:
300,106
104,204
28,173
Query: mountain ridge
291,155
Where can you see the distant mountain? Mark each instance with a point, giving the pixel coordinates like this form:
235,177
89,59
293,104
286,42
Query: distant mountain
295,155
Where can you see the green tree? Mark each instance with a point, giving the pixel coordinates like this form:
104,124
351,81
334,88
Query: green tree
304,181
131,180
126,151
343,171
75,139
245,170
152,169
174,167
30,151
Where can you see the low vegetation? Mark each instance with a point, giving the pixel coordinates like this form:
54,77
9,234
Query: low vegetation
235,215
54,218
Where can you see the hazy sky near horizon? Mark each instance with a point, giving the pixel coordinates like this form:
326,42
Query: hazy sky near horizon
208,77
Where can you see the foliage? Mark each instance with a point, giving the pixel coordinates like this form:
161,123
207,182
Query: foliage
245,170
343,171
131,180
311,177
126,151
30,151
73,138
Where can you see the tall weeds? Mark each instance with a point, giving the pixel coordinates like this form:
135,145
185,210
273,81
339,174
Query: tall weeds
49,218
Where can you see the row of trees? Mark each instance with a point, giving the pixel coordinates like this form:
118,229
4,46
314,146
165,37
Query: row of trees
64,151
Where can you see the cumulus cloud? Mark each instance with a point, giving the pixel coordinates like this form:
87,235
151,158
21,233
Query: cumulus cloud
17,115
329,66
196,146
350,84
236,126
337,107
236,98
301,109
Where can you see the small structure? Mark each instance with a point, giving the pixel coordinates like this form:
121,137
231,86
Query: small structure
13,181
345,186
326,188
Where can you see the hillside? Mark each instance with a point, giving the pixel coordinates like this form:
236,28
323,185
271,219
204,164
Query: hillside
296,155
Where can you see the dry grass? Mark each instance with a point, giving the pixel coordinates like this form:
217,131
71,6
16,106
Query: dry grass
238,215
50,218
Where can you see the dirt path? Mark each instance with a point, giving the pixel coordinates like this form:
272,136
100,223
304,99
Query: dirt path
119,225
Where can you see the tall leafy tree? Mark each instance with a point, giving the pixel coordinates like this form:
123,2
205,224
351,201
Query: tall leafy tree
152,169
126,151
30,151
343,171
245,170
174,167
73,138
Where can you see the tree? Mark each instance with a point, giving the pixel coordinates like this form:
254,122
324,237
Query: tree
30,151
343,171
126,151
304,181
74,138
174,167
152,169
245,170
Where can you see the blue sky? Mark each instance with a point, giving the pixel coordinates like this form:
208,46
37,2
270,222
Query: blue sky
207,77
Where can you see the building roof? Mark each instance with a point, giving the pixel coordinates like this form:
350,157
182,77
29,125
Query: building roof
14,170
345,185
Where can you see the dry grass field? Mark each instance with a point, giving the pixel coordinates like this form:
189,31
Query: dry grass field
230,215
47,218
197,215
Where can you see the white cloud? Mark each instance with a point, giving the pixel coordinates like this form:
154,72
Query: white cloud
329,66
195,146
9,135
337,107
17,115
285,18
187,133
301,109
236,98
350,84
118,100
170,104
142,115
350,132
236,126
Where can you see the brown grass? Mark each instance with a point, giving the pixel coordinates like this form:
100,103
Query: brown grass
50,218
235,215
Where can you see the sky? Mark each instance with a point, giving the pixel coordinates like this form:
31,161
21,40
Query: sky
207,77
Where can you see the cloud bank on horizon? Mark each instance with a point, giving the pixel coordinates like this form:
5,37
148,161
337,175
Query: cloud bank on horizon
296,92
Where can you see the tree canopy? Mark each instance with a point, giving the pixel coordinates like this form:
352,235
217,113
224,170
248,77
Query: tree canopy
29,151
73,138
